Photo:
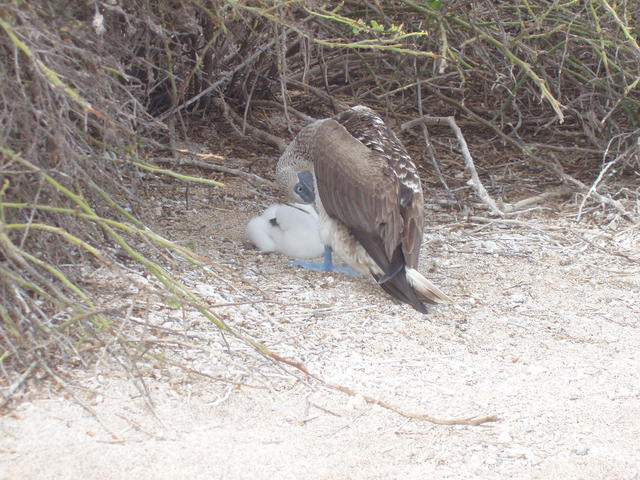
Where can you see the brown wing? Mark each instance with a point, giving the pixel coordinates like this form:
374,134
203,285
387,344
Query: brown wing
358,188
367,127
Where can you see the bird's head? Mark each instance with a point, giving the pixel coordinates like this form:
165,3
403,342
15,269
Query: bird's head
297,185
304,190
294,173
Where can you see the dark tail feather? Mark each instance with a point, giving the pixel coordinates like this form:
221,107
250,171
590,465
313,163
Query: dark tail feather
402,283
398,287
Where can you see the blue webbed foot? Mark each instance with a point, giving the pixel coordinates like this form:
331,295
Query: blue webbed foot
344,268
321,267
327,265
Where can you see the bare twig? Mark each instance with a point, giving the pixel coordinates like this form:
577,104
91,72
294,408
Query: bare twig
301,115
16,384
474,181
252,178
216,85
557,168
603,171
473,421
266,137
552,166
338,105
425,130
525,202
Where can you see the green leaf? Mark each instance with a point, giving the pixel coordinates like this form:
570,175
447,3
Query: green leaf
376,26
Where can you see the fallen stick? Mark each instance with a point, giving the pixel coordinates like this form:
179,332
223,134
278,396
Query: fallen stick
472,421
525,202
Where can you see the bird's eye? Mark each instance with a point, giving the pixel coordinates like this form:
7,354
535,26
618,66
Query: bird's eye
298,188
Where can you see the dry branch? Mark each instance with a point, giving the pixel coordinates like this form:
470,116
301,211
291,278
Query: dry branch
252,178
474,181
17,383
266,137
553,166
218,84
301,115
525,202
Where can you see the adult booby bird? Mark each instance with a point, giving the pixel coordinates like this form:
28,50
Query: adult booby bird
368,195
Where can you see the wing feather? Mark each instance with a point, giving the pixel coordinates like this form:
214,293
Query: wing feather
365,125
357,187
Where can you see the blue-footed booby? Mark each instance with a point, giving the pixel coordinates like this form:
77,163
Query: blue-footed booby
368,196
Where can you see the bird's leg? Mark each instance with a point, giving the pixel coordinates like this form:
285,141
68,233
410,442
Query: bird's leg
327,259
327,264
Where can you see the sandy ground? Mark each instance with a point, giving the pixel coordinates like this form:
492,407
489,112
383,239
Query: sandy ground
544,334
